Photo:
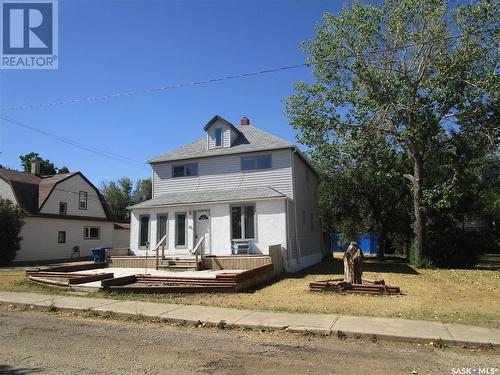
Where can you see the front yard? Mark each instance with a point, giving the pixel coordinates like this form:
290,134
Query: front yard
462,296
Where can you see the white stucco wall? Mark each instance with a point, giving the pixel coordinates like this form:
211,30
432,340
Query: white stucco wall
68,191
270,226
40,238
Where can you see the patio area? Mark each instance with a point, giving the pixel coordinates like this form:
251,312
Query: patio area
123,272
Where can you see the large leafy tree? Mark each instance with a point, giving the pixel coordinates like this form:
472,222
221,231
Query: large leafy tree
46,167
143,190
121,194
410,70
11,223
361,188
118,195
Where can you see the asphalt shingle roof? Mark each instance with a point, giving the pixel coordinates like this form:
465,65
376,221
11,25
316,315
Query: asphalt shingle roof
209,196
31,190
251,139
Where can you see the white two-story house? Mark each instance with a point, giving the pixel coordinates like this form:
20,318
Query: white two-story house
241,189
61,212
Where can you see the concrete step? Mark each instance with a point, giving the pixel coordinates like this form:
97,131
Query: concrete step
174,267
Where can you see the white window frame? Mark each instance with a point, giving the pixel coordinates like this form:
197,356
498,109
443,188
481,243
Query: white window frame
177,246
80,200
158,238
86,236
143,247
65,204
184,167
63,232
255,159
221,133
242,221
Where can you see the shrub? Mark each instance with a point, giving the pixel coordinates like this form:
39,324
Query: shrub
11,223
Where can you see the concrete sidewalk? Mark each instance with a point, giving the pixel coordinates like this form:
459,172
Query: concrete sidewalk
381,328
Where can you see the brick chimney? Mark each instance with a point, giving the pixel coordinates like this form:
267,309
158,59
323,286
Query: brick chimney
35,166
245,121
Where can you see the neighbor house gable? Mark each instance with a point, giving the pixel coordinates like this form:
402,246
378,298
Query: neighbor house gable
70,190
6,191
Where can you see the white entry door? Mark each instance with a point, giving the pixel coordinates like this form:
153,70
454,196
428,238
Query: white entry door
202,228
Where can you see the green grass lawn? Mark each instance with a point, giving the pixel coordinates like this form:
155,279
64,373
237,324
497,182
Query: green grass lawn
453,295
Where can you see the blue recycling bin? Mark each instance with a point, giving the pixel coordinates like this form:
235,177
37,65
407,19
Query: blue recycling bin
99,254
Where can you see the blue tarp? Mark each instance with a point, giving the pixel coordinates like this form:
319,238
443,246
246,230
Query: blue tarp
366,241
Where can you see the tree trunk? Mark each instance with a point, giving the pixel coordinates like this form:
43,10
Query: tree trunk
419,215
381,242
353,257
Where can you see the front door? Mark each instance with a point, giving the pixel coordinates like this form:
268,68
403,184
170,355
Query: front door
202,228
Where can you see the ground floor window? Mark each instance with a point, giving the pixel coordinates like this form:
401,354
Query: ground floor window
143,231
61,237
161,226
180,229
91,233
243,222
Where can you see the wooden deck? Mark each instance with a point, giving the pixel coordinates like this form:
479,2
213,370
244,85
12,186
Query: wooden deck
209,262
243,272
223,282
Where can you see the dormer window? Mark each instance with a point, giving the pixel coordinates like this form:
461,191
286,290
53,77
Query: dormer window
221,133
218,137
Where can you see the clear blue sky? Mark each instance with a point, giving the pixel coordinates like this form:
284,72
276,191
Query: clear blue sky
112,46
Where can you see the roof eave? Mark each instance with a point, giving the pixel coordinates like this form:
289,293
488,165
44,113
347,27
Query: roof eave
135,207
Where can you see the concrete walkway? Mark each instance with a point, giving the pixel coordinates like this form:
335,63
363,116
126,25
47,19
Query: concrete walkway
380,328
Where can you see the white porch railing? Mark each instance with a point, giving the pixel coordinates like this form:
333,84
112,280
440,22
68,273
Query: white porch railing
199,250
161,244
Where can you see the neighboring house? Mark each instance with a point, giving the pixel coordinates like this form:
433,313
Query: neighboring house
121,236
239,188
61,211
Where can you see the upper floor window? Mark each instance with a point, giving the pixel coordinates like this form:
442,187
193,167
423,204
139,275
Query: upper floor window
218,137
63,208
82,200
185,170
256,162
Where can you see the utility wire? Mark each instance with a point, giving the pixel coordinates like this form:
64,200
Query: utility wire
91,149
151,90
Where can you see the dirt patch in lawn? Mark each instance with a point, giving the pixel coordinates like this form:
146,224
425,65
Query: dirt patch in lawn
451,295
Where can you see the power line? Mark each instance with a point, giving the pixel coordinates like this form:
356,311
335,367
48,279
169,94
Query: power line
91,149
151,90
206,81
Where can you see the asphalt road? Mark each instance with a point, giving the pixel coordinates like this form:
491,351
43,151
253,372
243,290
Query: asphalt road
34,342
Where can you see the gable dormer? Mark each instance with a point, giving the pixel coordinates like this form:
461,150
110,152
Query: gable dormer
220,133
